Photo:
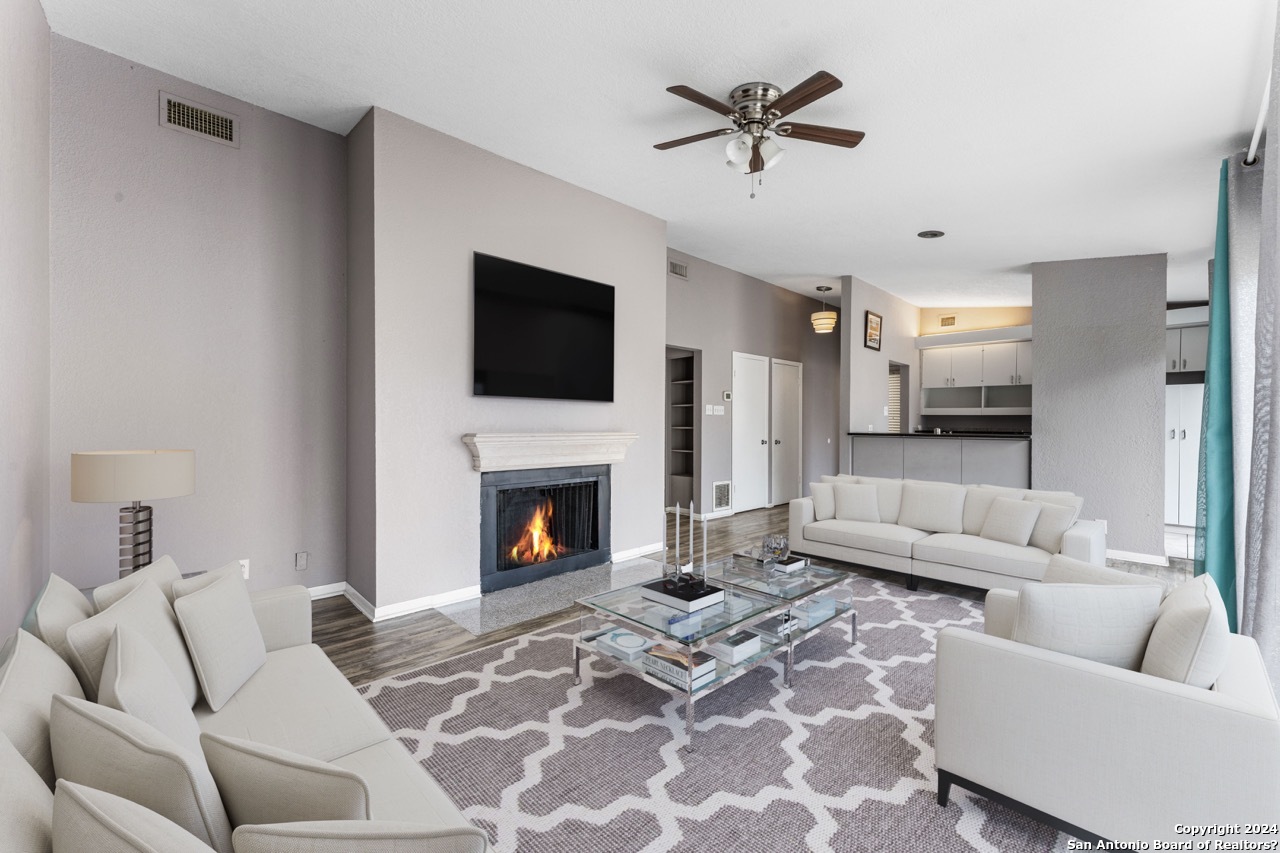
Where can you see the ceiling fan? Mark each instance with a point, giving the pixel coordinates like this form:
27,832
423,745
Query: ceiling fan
757,110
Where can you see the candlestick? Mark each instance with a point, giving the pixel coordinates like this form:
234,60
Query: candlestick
664,541
690,535
677,537
704,548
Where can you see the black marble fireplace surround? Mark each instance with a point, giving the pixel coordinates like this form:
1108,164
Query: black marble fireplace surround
579,522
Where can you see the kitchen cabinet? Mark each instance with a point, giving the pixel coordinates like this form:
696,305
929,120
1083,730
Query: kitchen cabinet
1186,350
951,367
1182,413
935,368
966,366
999,364
1023,373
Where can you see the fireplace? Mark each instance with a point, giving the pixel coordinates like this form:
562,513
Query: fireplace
542,522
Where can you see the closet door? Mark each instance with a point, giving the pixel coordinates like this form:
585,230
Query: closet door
1192,399
1172,447
785,380
750,431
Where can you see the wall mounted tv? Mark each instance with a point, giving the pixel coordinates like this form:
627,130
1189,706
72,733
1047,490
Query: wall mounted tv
540,333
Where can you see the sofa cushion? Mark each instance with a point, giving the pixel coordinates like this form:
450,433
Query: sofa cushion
974,552
109,750
977,503
1055,498
866,535
266,784
26,804
1063,569
398,788
1010,521
1052,522
223,637
137,681
841,478
300,702
1190,642
162,572
88,819
195,583
1106,623
824,500
30,674
58,606
146,609
936,507
856,502
366,836
888,496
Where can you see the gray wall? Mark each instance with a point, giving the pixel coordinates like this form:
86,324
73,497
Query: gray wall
438,200
1097,424
198,300
720,311
24,305
864,373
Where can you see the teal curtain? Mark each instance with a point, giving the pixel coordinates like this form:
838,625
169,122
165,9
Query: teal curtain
1215,491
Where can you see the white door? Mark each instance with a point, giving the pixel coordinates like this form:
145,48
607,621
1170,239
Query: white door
935,368
1172,409
750,431
1189,451
1195,348
786,381
999,364
966,366
1024,363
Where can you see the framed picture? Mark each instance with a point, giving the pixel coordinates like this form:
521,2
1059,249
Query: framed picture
871,337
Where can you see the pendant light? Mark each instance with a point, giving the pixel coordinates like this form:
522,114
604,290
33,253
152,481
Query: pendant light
824,321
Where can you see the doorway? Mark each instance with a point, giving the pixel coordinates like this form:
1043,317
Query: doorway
786,381
750,425
899,409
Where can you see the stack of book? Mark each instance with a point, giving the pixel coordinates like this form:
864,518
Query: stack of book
775,629
736,648
814,611
683,625
737,605
683,592
789,566
624,645
672,666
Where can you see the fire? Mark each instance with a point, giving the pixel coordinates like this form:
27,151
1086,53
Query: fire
536,545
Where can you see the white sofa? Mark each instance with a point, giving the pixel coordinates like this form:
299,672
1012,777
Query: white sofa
1103,751
943,540
296,707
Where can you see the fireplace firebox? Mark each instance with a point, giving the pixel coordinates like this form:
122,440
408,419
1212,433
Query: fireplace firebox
542,522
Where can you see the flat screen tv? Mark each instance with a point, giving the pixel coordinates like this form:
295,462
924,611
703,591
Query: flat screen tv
540,333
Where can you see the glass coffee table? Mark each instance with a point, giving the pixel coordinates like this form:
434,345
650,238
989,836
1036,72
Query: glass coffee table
756,594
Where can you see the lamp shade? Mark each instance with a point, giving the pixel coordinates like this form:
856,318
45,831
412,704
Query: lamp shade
771,152
824,322
122,476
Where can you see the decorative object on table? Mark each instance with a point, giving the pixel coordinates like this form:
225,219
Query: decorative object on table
736,648
871,333
775,546
755,556
679,566
814,611
623,644
684,592
132,476
788,566
824,321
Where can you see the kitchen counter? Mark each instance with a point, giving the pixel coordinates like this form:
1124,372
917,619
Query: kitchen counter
971,458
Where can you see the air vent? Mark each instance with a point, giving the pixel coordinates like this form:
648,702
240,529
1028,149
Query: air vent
678,269
722,496
947,320
198,120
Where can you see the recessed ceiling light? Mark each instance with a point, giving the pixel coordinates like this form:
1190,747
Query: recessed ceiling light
930,235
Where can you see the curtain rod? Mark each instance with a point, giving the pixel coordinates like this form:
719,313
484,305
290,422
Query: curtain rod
1252,156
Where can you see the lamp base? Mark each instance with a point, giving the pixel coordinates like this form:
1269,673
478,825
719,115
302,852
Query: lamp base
135,538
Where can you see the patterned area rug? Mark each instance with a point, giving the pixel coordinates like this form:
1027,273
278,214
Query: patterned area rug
842,761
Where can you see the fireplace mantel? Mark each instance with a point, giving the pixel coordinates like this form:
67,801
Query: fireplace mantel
514,451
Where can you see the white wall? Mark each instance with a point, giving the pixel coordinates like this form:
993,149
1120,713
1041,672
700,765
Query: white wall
436,201
198,301
24,305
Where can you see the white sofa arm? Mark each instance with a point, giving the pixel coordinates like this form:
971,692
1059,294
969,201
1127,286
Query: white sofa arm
284,616
1087,541
799,513
1000,613
1122,754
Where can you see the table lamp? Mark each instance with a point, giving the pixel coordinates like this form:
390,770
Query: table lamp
132,476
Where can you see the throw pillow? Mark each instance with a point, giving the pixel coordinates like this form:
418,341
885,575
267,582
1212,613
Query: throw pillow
266,784
27,804
856,502
367,836
111,751
824,501
1191,639
163,572
1107,624
87,819
30,674
1067,570
938,508
1057,499
195,583
977,503
888,497
146,609
58,606
1010,521
223,636
137,681
1053,521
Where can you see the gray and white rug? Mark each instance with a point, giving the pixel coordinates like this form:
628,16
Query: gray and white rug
841,761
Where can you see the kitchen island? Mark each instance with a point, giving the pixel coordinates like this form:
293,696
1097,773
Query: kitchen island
997,459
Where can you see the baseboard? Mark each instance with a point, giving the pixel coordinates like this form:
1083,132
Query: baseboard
415,605
632,553
1134,557
361,603
329,590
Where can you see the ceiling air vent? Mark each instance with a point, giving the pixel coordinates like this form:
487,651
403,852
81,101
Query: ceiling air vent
947,320
199,120
678,269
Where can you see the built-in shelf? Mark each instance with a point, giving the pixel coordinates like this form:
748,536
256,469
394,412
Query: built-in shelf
682,382
977,400
682,428
676,427
677,450
682,405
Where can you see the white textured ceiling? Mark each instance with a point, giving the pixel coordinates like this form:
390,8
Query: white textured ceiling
1028,131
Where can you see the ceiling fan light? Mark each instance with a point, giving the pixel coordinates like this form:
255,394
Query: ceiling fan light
771,152
824,322
738,150
742,168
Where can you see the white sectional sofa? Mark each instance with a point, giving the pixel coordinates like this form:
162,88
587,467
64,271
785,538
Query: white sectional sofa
942,530
215,714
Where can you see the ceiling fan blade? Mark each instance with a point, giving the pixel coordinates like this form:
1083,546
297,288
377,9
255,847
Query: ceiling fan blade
818,133
817,86
702,100
698,137
757,159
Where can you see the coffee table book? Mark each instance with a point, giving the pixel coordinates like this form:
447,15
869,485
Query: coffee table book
737,647
676,661
682,597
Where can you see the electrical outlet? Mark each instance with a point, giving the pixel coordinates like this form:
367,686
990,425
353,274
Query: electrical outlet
244,568
300,561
